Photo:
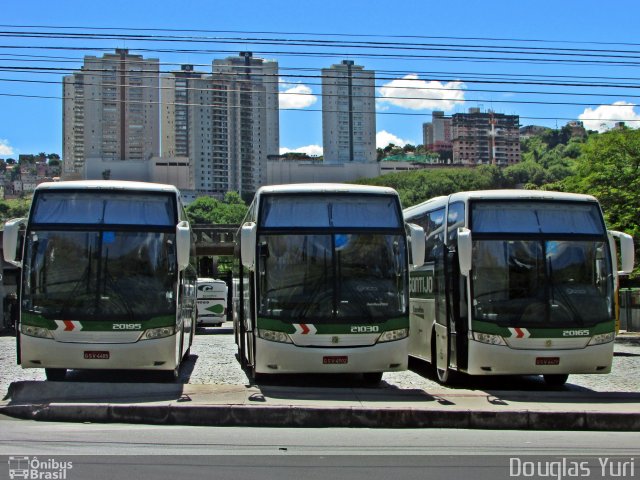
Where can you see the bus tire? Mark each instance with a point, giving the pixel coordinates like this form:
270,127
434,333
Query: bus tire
170,376
372,379
443,376
187,354
555,380
55,374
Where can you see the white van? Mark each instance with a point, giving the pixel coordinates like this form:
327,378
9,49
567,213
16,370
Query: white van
212,302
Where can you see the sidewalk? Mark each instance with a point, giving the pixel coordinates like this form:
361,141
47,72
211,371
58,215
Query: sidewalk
271,406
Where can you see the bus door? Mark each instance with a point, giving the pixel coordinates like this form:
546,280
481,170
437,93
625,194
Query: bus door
456,327
456,291
440,345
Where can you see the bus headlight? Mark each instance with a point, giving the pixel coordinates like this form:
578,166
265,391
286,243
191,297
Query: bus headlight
393,335
488,338
32,331
273,336
161,332
602,338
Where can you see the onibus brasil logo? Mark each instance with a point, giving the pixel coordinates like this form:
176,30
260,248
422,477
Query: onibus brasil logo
32,468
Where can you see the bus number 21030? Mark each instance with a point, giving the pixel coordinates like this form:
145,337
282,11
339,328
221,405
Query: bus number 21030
365,328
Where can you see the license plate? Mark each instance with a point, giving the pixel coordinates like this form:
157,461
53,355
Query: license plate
335,360
547,360
96,355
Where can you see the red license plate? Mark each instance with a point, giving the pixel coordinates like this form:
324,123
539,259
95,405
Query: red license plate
547,360
96,355
335,360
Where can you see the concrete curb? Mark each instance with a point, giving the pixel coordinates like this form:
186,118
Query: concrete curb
318,407
319,417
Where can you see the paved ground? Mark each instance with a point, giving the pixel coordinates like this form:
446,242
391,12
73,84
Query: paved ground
213,361
214,391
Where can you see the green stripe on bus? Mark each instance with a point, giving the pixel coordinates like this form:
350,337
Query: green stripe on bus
218,308
540,332
331,328
35,320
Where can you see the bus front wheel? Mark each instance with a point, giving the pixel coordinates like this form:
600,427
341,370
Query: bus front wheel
55,374
443,375
556,380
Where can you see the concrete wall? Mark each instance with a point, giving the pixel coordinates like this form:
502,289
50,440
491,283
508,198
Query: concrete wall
283,172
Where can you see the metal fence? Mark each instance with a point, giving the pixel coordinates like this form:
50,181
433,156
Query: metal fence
630,309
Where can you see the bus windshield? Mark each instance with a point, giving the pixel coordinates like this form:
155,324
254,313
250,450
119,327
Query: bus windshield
94,207
339,211
543,283
332,277
99,275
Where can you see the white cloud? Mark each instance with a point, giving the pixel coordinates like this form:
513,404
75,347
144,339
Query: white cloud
5,148
384,138
604,117
297,96
415,94
312,150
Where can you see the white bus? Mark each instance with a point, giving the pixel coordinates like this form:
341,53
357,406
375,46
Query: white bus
212,302
107,278
516,282
322,281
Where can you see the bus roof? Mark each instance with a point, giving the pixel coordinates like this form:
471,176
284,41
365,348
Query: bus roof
325,188
210,280
506,194
107,185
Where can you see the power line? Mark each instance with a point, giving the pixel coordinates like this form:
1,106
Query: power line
324,34
226,105
621,59
375,97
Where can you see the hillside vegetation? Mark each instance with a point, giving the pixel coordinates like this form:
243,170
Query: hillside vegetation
605,165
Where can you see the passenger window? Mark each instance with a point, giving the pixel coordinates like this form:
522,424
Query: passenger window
434,234
455,219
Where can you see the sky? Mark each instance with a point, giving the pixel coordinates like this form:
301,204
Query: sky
547,61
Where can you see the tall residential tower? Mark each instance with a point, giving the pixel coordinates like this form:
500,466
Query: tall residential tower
223,124
348,114
253,126
110,111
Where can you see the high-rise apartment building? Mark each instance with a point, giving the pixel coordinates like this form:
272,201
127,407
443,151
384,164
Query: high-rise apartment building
348,114
226,123
195,128
110,111
485,138
252,123
437,133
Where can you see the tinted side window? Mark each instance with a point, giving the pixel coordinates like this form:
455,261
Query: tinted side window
433,224
455,219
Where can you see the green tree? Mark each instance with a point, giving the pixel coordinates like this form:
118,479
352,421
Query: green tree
609,169
14,208
231,210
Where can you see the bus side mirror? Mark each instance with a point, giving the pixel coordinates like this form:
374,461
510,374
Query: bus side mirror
10,240
465,249
627,254
248,244
183,244
417,244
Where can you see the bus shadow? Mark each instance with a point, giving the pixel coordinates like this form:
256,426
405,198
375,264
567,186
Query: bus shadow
503,383
7,332
332,387
133,376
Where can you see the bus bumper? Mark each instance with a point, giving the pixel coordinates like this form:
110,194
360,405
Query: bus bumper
210,320
487,359
159,354
274,357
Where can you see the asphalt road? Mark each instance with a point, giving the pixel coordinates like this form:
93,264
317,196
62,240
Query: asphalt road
213,361
107,451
